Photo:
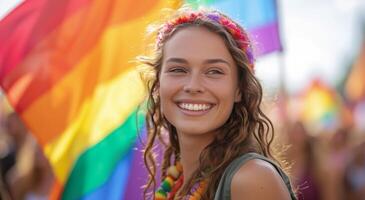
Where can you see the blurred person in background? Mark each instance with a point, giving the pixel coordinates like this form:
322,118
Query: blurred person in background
335,162
7,160
29,175
304,163
355,174
11,139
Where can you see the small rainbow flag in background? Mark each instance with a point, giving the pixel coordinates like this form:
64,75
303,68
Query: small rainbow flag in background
321,106
65,68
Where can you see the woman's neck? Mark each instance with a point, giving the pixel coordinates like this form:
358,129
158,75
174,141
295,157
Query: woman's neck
190,148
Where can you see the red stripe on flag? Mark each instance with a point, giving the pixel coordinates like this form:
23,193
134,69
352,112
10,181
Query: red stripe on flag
31,67
28,25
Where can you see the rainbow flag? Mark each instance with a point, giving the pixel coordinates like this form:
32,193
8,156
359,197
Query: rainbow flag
321,106
65,67
259,17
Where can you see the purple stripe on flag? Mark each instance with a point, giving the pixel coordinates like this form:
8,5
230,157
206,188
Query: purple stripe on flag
266,39
138,174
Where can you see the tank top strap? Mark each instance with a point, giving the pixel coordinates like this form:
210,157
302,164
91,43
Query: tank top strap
224,188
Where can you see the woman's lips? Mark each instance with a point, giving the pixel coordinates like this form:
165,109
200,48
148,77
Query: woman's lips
195,108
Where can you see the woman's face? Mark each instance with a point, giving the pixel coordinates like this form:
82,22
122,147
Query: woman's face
198,81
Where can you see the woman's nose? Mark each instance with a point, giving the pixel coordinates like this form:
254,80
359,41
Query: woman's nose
194,84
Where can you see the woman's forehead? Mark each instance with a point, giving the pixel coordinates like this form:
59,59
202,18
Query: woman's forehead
196,43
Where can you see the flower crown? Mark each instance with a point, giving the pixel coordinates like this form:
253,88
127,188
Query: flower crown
238,34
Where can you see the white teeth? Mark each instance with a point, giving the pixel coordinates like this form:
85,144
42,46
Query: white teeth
194,107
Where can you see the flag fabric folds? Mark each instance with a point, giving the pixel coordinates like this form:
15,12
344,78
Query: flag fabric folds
65,67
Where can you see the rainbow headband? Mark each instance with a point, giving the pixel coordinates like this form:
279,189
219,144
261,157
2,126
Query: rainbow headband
239,35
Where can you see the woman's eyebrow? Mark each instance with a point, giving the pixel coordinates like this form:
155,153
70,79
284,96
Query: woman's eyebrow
216,60
177,60
207,61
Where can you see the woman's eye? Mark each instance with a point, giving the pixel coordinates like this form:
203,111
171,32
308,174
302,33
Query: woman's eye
214,71
177,70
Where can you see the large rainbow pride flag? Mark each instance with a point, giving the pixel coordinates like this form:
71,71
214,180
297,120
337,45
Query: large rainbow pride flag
65,67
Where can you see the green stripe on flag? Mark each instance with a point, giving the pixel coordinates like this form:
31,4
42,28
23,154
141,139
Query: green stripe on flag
97,163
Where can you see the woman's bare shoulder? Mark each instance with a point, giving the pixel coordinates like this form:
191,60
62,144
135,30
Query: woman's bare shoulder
258,179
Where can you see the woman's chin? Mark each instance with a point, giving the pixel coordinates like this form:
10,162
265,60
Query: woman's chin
195,131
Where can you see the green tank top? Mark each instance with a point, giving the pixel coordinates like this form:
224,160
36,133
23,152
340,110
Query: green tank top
224,188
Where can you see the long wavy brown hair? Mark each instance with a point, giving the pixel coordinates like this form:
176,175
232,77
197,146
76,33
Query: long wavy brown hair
247,129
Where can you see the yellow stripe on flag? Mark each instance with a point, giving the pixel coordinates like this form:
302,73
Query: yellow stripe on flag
88,128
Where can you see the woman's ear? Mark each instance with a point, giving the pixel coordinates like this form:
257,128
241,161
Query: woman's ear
238,96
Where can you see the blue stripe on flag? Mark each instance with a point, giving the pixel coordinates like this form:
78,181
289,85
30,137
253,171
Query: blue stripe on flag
114,188
249,13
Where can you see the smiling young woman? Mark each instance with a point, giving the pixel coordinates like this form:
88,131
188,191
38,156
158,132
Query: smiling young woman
205,98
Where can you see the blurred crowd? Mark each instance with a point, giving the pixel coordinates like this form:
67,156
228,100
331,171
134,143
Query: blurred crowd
328,166
325,137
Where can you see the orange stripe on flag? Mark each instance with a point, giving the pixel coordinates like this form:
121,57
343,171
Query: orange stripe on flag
51,59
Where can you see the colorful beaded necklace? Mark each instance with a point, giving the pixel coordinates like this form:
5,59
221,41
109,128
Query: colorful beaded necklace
172,183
